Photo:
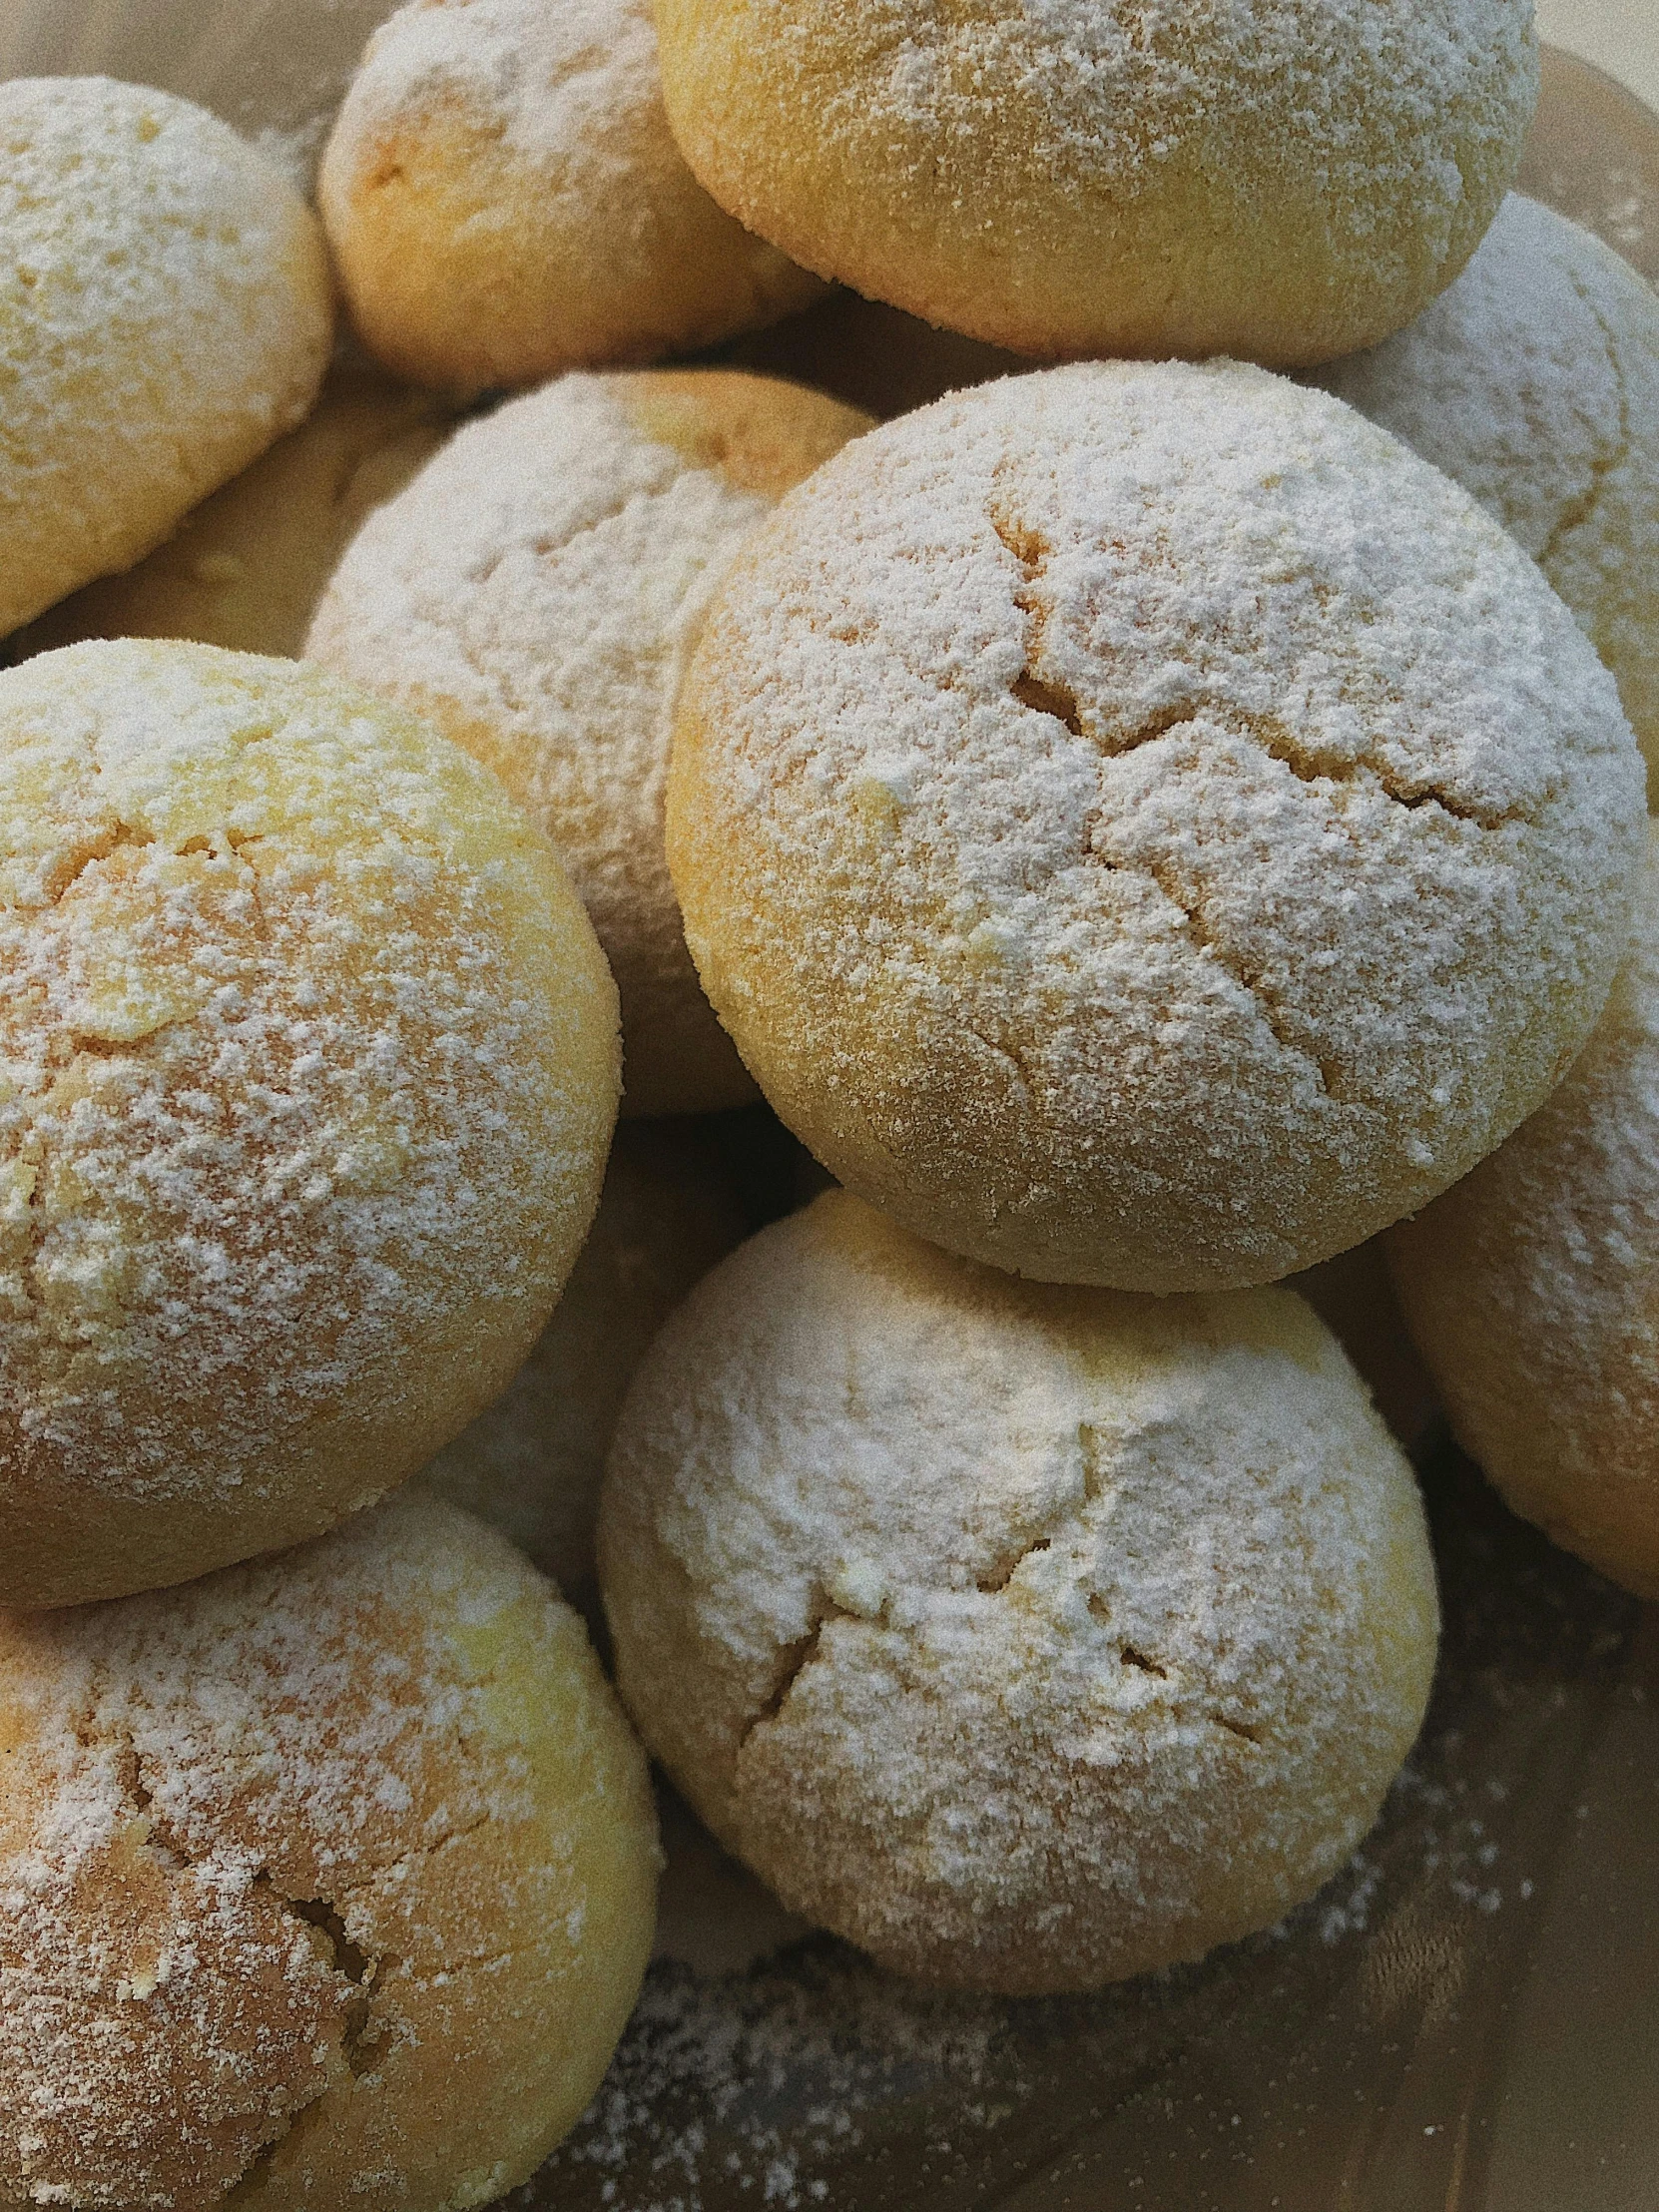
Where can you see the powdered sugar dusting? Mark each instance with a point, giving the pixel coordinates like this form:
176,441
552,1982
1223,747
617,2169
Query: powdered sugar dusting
1181,776
296,1079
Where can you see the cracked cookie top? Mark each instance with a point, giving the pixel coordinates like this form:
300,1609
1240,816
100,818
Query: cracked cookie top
308,1065
1026,1636
1142,826
166,312
323,1880
1534,384
535,591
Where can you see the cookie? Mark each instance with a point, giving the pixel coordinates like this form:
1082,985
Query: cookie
310,1063
1143,826
534,591
1026,1637
1534,383
504,200
1283,179
326,1880
168,316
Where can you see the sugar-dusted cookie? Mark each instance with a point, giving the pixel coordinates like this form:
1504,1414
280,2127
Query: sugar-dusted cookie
1028,1637
1140,825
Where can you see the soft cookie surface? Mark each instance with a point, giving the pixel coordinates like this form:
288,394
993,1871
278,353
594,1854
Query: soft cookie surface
1534,384
1142,826
326,1880
504,200
1532,1289
535,592
165,314
1283,179
309,1066
1028,1637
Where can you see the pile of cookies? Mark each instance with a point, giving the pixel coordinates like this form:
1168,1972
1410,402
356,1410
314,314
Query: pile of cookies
1145,824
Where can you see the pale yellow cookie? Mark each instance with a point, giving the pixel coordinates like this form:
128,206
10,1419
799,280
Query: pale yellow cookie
1028,1637
307,1068
1283,180
1534,383
165,315
325,1881
531,1463
1532,1289
535,592
1140,825
504,199
246,569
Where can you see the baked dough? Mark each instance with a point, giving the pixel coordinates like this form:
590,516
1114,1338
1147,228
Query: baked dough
1283,180
504,200
326,1880
1140,825
531,1463
534,591
165,315
1028,1637
1534,381
307,1068
1532,1289
246,568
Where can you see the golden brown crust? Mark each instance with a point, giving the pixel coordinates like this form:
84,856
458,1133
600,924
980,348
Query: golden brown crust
326,1880
309,1066
1279,182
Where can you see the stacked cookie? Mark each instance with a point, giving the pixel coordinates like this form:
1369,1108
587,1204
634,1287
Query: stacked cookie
1140,825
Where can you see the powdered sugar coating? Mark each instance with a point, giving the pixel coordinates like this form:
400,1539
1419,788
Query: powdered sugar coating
1279,179
506,200
535,592
1534,383
332,1872
309,1064
1143,826
1028,1637
165,315
1529,1289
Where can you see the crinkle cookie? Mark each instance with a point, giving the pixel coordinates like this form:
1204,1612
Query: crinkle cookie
1532,1290
165,315
531,1463
534,591
1534,381
325,1881
308,1069
246,568
1283,180
504,200
1143,826
1028,1637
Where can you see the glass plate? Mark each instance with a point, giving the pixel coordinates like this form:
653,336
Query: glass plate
1467,2019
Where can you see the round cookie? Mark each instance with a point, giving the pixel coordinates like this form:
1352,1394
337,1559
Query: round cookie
326,1880
246,569
504,200
1028,1637
534,591
165,316
1283,180
531,1463
1532,1290
1534,383
307,1068
1142,826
